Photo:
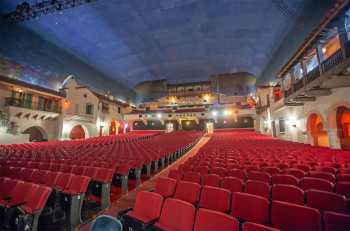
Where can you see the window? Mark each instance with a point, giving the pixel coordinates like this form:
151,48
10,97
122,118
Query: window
298,71
89,109
282,125
119,111
105,107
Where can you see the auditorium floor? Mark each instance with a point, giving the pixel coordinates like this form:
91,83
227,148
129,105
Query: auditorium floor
127,200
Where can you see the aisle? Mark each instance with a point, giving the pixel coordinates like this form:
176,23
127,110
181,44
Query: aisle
127,200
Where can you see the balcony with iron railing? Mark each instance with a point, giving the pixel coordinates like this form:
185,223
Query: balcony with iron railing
32,105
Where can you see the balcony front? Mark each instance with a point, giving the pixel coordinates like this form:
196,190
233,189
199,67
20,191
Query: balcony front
30,109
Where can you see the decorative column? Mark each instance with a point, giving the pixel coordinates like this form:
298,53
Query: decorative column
334,141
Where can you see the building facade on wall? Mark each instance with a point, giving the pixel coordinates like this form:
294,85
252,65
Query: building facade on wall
310,103
33,113
190,106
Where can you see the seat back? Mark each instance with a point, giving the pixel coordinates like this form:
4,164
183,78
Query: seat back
176,215
38,200
303,218
298,173
51,178
287,193
315,183
78,184
22,191
250,207
285,179
249,226
187,191
326,201
336,221
238,173
148,204
260,176
208,220
258,188
215,199
192,177
63,181
323,175
233,184
343,188
211,180
7,187
165,186
175,174
218,171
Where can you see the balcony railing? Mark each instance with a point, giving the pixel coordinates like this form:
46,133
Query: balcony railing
313,74
10,101
332,61
299,84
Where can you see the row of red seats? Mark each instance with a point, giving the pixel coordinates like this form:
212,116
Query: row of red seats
297,173
27,199
193,193
265,180
252,211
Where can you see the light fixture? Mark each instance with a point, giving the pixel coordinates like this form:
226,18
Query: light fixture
227,112
214,113
159,115
187,122
324,50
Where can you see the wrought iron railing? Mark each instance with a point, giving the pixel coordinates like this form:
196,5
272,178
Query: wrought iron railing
332,61
11,101
313,74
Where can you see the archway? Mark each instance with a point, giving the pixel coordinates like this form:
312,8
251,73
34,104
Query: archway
113,128
36,134
343,125
317,132
77,132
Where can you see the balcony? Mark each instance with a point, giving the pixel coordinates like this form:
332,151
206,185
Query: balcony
332,61
261,109
52,107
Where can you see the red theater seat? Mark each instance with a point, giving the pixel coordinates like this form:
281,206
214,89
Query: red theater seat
285,179
249,226
298,173
323,175
250,207
77,185
233,184
292,217
272,170
165,186
192,177
209,220
238,173
36,202
315,183
19,195
343,188
175,174
287,193
211,180
258,188
147,207
336,221
325,201
219,171
215,199
176,215
188,191
260,176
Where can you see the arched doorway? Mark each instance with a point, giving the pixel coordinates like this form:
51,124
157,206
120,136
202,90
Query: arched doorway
77,132
343,125
317,132
36,134
113,128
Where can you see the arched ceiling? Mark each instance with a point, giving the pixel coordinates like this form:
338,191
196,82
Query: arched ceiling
179,40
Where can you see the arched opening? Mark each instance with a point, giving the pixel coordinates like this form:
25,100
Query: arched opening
113,128
36,134
343,124
77,132
317,131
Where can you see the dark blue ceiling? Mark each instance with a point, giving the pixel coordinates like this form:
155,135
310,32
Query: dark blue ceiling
178,40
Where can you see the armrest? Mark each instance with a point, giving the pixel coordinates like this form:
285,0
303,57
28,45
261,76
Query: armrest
151,222
123,212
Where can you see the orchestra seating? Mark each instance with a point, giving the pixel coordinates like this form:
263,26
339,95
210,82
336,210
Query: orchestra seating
54,179
246,181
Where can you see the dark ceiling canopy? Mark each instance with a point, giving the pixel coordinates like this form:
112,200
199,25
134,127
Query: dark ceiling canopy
178,40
